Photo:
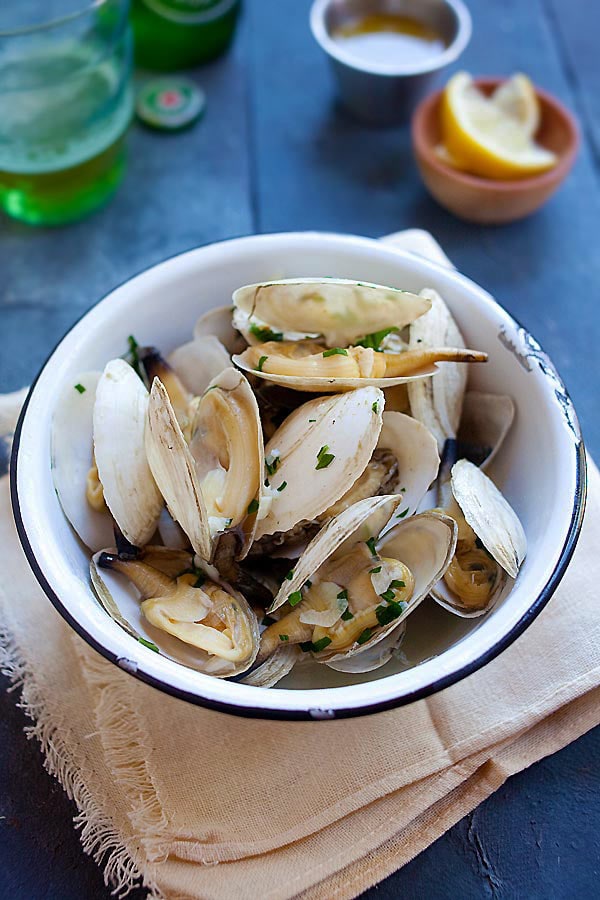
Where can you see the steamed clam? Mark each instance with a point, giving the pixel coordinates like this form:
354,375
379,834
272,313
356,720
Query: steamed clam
73,466
491,543
336,311
198,362
437,402
266,480
369,452
321,449
486,420
119,428
212,482
324,335
358,580
218,323
210,617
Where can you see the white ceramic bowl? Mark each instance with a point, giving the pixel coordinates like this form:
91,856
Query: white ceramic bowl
541,469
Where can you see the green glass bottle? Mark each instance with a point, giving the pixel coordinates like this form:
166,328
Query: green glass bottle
178,34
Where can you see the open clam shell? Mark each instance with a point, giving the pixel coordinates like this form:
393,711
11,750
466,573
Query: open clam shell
425,544
422,546
318,452
415,448
486,420
171,533
119,427
198,362
437,403
490,516
165,624
174,470
72,459
405,462
374,657
218,322
228,451
322,384
275,667
339,311
497,529
358,522
215,483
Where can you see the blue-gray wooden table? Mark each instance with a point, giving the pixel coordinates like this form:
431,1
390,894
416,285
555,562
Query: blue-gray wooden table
274,153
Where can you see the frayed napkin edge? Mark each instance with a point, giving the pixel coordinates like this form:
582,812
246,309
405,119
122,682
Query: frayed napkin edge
97,834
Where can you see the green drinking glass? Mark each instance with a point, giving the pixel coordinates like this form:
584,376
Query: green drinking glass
66,101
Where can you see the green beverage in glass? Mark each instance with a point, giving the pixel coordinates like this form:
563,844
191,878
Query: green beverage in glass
177,34
66,101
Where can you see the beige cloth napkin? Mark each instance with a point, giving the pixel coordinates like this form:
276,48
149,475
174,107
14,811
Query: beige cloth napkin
197,804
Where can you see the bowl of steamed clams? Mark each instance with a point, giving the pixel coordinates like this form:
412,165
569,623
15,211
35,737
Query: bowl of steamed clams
298,476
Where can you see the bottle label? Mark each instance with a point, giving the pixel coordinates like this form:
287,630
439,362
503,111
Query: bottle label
190,12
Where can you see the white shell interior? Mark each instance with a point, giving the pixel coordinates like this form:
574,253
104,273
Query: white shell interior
536,468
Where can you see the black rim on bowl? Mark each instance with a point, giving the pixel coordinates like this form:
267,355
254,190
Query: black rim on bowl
313,714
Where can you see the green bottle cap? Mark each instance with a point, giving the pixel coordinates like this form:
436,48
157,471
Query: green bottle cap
170,103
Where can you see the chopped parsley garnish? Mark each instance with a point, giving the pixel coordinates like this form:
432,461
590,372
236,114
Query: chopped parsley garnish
395,584
388,595
265,334
343,595
402,514
371,545
375,570
282,486
364,636
268,620
387,613
133,353
199,573
306,646
261,363
284,637
312,420
324,457
347,615
290,575
321,644
148,644
375,407
295,598
80,388
403,490
253,506
307,584
272,464
375,339
335,351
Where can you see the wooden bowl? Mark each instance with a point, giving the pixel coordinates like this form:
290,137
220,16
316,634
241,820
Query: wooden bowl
484,200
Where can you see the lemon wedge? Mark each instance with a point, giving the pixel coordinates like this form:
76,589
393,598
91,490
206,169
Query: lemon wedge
493,136
516,97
